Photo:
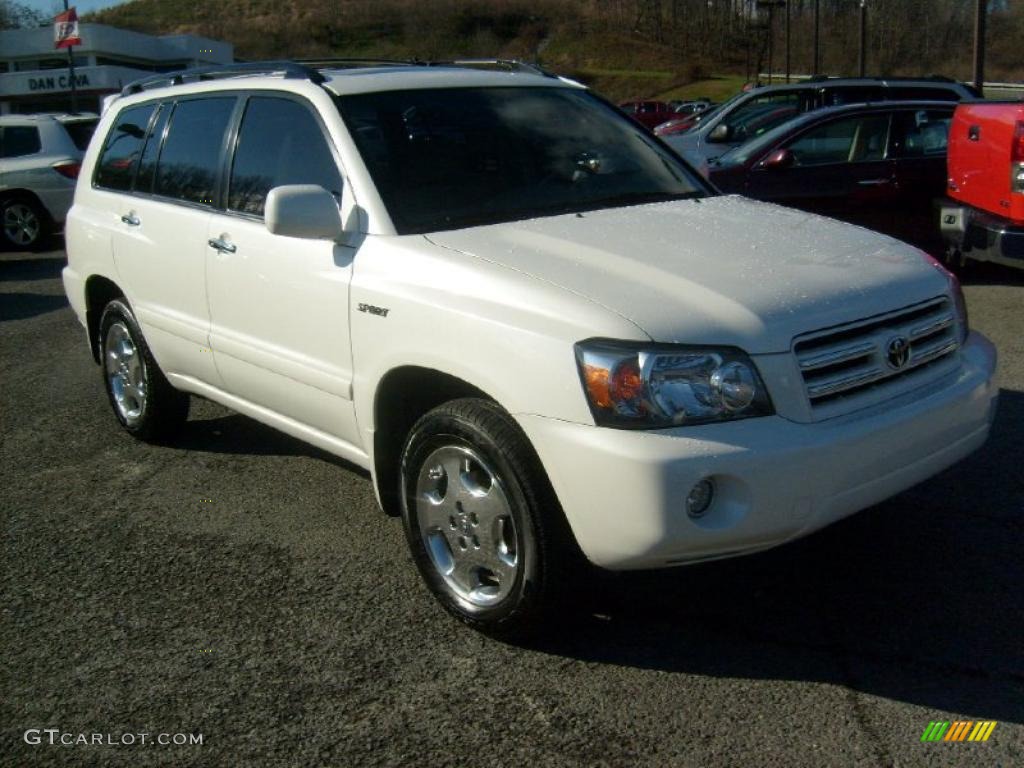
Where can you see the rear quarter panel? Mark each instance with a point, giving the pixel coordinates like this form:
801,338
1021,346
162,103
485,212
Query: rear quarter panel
979,169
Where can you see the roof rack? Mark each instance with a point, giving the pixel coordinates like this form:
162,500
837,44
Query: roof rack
289,69
308,69
512,65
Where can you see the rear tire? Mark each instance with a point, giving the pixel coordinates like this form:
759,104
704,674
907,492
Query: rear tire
483,525
145,403
23,223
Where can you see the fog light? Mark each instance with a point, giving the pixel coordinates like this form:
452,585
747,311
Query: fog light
700,498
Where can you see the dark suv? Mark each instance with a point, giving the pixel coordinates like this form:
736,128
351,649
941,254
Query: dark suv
748,115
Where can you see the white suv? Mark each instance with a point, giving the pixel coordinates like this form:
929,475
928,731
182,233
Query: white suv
40,156
539,330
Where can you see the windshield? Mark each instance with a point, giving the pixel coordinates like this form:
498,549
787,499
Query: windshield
458,157
760,145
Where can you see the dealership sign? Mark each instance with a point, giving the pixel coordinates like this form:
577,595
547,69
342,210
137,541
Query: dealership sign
58,83
65,29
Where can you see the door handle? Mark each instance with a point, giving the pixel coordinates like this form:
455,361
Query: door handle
221,245
131,219
874,182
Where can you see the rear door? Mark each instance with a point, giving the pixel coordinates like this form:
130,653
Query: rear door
280,305
160,168
920,140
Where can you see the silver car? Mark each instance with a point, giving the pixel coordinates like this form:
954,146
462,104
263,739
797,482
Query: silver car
40,156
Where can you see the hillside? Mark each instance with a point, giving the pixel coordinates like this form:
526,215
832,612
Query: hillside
623,48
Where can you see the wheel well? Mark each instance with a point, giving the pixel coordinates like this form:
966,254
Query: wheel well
99,291
403,396
26,194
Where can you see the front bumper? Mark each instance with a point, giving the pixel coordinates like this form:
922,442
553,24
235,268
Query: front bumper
624,492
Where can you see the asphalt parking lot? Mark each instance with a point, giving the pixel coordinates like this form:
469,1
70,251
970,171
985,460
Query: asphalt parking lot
244,586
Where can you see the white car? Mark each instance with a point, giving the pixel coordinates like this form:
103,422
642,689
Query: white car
40,156
539,330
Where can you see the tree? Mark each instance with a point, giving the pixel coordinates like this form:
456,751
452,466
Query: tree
18,16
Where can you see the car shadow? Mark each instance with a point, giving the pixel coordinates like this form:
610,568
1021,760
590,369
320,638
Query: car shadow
987,273
916,599
20,306
26,270
235,434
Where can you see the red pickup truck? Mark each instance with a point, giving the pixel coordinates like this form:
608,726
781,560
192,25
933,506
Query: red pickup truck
983,218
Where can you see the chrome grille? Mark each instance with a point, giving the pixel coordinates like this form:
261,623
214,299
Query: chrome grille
848,360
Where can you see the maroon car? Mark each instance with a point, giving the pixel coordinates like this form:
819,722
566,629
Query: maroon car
648,113
878,165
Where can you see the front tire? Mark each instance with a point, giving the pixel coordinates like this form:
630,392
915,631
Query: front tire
145,403
482,523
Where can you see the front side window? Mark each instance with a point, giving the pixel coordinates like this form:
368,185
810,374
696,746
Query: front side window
190,158
19,140
850,140
117,162
457,157
279,142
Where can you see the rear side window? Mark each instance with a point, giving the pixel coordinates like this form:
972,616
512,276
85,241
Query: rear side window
121,151
147,165
920,93
19,140
852,95
279,142
923,133
190,158
80,132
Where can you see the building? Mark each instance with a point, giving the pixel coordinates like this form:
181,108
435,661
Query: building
34,76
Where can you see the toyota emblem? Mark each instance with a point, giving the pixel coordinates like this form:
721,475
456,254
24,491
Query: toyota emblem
897,352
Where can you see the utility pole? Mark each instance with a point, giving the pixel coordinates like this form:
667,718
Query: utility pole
817,38
980,18
71,73
863,37
787,42
771,5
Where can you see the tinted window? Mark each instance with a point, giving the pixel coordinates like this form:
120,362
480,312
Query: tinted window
121,152
80,132
854,139
19,140
147,165
852,94
920,93
923,133
188,164
280,142
450,158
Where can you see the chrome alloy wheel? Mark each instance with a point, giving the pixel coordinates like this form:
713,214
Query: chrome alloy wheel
21,224
126,373
467,526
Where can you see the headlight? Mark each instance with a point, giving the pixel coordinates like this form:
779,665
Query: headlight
648,386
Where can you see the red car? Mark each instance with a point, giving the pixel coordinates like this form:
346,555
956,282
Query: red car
879,165
648,113
682,123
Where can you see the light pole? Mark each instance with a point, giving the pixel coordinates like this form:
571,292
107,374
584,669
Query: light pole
981,14
817,38
771,5
863,37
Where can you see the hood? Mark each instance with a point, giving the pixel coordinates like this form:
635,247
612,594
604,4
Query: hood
720,270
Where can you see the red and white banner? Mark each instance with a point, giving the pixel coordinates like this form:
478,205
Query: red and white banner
65,29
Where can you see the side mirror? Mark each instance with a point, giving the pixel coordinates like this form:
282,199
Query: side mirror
721,133
779,160
302,210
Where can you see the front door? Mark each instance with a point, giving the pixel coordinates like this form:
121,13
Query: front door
279,305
